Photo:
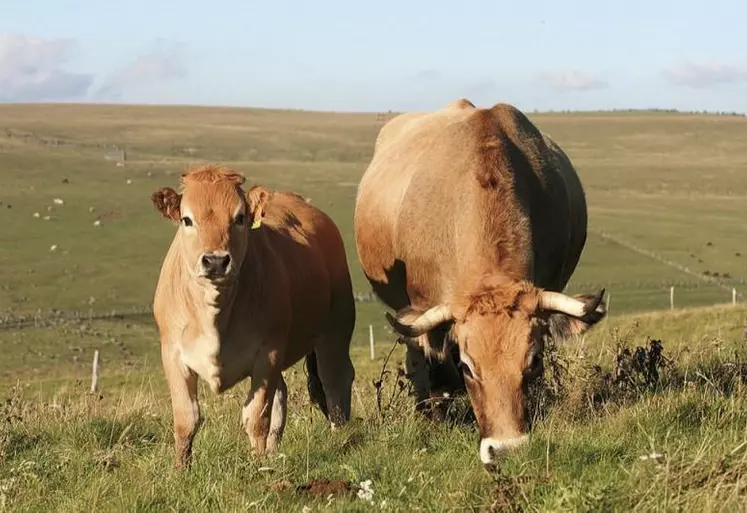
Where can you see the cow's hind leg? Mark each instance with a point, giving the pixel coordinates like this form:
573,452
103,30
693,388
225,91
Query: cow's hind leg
331,371
336,374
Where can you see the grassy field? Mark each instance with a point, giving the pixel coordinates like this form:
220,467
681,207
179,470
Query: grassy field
667,208
64,450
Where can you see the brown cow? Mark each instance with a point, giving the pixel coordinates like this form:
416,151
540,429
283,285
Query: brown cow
469,223
252,283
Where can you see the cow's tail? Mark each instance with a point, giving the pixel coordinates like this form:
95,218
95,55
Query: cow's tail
314,384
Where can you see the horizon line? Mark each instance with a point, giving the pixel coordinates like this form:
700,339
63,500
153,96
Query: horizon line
661,110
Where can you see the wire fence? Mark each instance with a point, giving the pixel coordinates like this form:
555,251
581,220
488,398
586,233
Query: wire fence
58,317
716,279
55,318
673,295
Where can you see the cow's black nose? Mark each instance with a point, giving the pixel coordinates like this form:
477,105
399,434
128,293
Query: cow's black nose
216,264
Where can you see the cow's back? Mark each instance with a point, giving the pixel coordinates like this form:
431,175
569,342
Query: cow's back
552,194
389,186
451,192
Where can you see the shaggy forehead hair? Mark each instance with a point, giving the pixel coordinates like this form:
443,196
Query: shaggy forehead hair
212,174
496,295
213,189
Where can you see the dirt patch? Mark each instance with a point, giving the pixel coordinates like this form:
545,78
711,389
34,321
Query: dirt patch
324,488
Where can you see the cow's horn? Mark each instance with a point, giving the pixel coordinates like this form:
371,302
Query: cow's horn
569,305
423,323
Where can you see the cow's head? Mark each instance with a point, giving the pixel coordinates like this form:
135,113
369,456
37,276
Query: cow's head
500,329
214,215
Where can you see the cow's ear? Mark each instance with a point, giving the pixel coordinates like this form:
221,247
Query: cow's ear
167,202
564,326
257,199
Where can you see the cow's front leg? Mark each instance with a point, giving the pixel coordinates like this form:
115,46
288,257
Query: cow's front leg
279,415
257,411
182,383
416,368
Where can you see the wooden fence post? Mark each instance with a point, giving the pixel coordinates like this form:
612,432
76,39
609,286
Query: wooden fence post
95,372
671,298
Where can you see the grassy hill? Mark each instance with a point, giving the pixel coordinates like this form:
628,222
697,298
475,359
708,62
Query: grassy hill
667,205
665,192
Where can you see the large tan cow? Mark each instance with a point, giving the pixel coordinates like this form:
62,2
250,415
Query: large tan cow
252,283
469,223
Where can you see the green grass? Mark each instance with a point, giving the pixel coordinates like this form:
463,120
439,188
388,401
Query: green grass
666,202
63,449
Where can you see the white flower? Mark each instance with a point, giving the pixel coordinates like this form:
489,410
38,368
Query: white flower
366,491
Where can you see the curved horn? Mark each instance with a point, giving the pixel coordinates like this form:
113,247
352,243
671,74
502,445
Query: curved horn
422,323
561,303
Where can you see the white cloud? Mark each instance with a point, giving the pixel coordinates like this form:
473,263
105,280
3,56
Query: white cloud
165,62
31,69
702,75
572,80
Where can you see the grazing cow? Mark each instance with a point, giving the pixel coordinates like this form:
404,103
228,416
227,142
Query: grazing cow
469,223
252,283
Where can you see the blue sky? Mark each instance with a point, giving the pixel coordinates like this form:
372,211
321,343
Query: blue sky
377,55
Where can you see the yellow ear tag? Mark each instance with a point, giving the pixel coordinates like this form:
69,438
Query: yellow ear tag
257,222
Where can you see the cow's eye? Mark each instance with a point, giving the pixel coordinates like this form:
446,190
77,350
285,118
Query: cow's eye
466,371
239,219
535,365
186,221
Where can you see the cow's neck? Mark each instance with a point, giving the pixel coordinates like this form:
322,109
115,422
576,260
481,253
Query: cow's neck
213,305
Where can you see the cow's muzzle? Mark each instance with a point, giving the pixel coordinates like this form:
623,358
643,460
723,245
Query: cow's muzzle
215,265
493,449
